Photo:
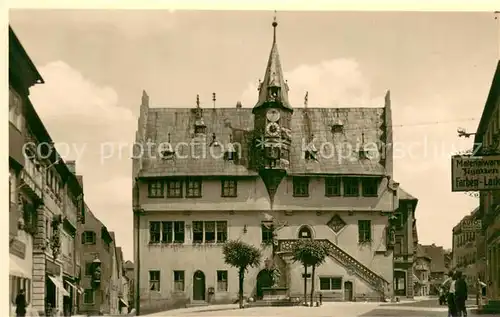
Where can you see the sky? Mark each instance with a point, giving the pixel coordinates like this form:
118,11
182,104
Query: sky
438,67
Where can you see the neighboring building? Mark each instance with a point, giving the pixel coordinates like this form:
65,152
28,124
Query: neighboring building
487,138
99,274
130,275
422,271
49,197
404,247
186,206
464,249
123,291
115,282
24,197
438,266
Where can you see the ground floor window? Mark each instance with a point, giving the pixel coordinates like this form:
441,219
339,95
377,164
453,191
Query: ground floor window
179,281
330,283
222,281
16,284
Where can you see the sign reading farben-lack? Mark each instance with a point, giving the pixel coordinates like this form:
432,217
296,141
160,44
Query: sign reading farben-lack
474,173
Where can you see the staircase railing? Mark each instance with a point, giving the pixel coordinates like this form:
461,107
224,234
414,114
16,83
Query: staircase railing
346,260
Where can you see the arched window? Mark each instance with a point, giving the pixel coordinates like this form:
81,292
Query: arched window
305,233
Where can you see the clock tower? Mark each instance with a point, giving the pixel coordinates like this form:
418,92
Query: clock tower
272,124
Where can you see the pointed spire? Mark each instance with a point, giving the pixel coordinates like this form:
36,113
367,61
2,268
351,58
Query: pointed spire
273,89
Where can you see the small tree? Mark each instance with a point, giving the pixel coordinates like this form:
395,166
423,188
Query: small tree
310,253
241,255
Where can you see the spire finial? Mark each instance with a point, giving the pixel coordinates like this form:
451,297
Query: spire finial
275,24
306,99
213,98
198,101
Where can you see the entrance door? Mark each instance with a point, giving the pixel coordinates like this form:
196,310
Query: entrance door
399,283
199,285
348,295
264,279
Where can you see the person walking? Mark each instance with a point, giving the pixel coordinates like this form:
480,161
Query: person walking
461,294
21,304
452,306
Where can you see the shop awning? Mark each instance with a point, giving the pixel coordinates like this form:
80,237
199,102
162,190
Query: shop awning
123,302
15,267
78,289
59,284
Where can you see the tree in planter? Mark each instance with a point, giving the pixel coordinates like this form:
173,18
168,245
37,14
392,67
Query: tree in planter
242,256
309,253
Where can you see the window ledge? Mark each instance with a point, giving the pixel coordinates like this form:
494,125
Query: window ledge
156,196
300,196
331,290
370,195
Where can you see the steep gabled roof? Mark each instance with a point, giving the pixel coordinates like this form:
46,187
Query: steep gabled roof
404,195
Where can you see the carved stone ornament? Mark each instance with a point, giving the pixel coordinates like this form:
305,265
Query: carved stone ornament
336,223
20,210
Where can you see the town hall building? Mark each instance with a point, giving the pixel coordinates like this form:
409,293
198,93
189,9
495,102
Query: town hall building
269,176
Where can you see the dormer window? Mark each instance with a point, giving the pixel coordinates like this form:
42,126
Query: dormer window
214,141
337,126
362,153
200,127
166,150
311,151
230,154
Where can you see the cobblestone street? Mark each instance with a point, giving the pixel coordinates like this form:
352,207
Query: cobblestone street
419,308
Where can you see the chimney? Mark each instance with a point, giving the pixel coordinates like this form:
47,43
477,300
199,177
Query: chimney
71,166
79,178
238,104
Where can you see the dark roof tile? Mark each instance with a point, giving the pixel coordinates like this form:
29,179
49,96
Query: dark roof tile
238,122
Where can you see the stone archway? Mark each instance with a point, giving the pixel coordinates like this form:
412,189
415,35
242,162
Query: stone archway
199,285
264,279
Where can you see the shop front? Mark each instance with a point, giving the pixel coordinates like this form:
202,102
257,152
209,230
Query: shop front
54,288
20,267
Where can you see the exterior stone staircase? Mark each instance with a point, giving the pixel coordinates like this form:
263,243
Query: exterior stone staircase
378,283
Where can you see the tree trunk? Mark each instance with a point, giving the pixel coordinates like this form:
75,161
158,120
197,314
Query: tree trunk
241,277
305,284
312,284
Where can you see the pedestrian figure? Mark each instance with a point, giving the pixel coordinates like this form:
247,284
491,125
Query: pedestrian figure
461,294
21,304
452,307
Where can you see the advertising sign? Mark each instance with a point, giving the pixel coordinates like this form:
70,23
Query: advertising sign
471,225
475,173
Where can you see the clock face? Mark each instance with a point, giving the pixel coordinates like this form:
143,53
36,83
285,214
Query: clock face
273,129
273,115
